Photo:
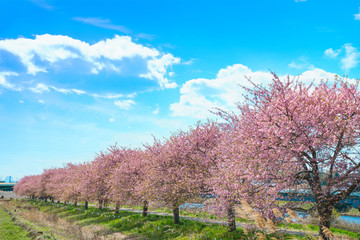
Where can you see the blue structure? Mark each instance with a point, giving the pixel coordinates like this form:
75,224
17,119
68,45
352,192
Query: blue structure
8,179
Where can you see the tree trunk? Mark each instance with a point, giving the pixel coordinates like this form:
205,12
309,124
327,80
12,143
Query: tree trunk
52,200
45,199
58,201
325,213
176,215
86,204
117,206
75,203
65,202
231,218
100,204
145,208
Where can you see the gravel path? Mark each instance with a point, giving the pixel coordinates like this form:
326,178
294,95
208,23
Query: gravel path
8,195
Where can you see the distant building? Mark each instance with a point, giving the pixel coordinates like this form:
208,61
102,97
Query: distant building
8,179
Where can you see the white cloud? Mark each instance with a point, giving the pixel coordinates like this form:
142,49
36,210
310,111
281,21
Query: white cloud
39,88
331,53
103,23
301,63
189,62
66,91
124,104
156,111
294,65
21,101
315,75
41,101
351,58
111,120
45,50
300,0
112,96
158,69
6,84
145,36
357,16
199,96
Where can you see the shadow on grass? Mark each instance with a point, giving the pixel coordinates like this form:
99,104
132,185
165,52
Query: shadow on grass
162,227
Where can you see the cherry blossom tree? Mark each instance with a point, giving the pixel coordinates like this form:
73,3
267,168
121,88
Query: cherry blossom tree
55,183
180,166
28,186
45,183
98,172
239,174
84,186
71,182
125,177
316,129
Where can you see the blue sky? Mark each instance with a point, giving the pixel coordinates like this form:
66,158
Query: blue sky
78,76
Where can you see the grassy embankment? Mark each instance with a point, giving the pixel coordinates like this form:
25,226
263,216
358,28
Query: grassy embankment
159,227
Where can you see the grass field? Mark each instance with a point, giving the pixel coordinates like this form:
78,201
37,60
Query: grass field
9,230
134,224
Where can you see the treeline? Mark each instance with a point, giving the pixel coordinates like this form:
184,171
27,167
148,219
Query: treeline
285,136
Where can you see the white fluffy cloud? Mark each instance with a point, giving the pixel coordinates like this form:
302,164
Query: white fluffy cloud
349,60
199,96
331,53
357,16
158,67
36,54
124,104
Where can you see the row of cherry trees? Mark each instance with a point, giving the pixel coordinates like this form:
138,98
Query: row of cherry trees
285,136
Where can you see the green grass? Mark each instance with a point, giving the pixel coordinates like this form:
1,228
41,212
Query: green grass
9,230
162,227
